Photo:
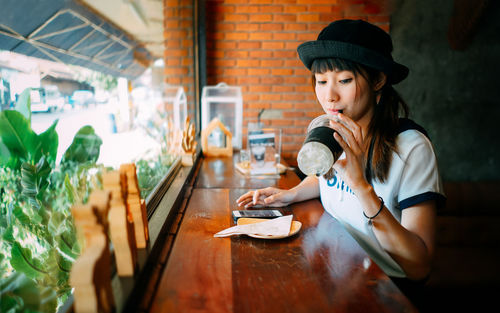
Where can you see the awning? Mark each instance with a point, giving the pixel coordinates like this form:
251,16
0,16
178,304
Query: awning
65,31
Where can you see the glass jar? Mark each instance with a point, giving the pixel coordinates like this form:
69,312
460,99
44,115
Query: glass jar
320,150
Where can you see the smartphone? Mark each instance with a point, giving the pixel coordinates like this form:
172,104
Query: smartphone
256,214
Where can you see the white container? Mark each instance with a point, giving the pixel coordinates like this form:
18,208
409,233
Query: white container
320,150
226,103
175,98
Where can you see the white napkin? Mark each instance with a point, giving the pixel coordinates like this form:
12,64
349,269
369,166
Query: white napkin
279,226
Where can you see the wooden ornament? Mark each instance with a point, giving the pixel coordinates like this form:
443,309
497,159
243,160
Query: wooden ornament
135,207
121,223
174,138
100,201
188,143
121,230
90,274
212,151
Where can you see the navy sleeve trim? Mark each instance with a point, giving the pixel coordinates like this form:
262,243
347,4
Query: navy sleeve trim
408,202
406,124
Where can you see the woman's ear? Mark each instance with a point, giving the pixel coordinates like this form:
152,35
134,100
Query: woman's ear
380,82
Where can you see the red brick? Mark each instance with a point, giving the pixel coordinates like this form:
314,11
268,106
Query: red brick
295,27
282,105
287,18
177,53
308,17
249,45
261,54
281,71
284,36
248,27
293,97
258,105
225,27
261,17
237,54
173,62
236,36
258,71
260,36
272,45
302,71
172,43
186,13
171,24
259,88
320,8
224,63
270,27
293,63
292,45
248,80
283,89
246,9
235,17
272,80
285,54
249,97
306,105
329,17
293,114
225,45
272,63
279,122
235,71
271,9
187,62
306,37
270,96
295,80
295,8
173,80
247,63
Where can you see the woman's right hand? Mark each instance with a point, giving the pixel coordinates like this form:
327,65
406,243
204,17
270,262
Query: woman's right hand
270,196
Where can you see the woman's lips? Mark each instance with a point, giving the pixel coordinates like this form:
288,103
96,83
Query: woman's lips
335,111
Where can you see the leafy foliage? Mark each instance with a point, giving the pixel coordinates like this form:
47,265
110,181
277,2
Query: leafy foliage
84,148
38,239
150,172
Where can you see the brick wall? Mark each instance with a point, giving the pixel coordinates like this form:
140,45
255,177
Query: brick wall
179,47
253,44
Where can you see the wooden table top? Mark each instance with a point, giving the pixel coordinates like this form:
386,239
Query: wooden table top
221,173
320,269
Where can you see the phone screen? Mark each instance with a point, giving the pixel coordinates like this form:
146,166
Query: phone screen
256,213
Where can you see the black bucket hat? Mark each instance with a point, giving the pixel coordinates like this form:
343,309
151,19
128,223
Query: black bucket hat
357,41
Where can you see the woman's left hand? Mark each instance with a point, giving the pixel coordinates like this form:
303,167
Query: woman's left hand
350,137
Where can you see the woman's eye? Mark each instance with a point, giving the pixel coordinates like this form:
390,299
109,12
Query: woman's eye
321,82
345,81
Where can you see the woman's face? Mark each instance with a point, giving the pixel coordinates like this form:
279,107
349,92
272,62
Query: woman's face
343,92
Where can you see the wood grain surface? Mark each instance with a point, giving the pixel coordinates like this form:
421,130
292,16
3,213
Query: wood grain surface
197,277
320,269
221,173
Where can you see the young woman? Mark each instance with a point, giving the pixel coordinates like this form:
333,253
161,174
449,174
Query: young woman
385,187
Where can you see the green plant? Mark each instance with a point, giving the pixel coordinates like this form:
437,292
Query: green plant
39,241
150,172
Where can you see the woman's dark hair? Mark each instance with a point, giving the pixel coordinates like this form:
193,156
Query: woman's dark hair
383,128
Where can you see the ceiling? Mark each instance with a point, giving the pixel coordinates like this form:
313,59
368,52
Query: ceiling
117,37
142,19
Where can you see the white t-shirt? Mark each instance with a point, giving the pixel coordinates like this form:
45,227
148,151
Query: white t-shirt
413,178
